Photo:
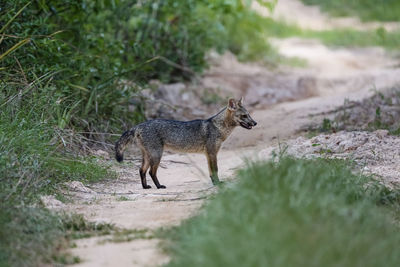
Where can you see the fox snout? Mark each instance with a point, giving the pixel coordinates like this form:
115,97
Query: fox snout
252,123
248,124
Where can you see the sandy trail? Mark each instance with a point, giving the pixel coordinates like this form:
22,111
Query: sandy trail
339,74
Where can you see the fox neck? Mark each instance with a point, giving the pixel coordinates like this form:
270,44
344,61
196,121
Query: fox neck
224,122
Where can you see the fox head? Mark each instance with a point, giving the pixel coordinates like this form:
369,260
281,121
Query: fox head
239,115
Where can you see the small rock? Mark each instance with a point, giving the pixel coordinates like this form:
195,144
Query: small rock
51,202
307,86
78,186
381,133
101,153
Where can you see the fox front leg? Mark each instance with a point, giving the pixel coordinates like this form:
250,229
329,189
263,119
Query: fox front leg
213,167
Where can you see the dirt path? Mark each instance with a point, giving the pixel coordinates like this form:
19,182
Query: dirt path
335,75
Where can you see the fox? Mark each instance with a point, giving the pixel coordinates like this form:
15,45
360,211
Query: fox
196,136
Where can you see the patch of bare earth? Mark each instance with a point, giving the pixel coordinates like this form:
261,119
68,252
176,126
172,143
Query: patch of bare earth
374,152
282,101
124,203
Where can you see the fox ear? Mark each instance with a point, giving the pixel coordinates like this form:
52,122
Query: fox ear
240,102
232,104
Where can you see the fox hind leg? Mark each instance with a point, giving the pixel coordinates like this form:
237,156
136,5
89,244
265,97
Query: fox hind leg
155,153
152,150
143,169
154,162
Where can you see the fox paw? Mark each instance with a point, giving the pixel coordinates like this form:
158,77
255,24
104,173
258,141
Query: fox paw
161,186
146,187
218,183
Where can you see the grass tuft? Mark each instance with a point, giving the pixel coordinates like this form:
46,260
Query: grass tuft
293,213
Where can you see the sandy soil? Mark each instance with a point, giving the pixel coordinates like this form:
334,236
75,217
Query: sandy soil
335,75
374,152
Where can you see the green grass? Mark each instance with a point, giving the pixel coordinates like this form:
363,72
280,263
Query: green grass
353,38
33,162
30,162
127,235
77,227
367,10
293,213
123,198
339,37
28,236
31,236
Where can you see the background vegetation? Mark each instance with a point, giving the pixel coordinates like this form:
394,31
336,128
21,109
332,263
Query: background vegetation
367,10
345,37
293,213
86,49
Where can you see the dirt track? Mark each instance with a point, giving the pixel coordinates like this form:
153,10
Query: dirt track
339,74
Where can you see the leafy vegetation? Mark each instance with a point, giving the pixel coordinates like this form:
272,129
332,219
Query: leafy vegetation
36,236
70,70
293,213
31,165
367,10
336,37
87,49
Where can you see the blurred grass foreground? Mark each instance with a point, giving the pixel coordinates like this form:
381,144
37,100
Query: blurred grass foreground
293,213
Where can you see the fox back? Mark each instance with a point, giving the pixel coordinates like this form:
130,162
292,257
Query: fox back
190,136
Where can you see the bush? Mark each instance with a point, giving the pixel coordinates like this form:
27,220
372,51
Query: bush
86,49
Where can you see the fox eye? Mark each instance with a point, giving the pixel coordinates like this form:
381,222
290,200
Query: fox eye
243,116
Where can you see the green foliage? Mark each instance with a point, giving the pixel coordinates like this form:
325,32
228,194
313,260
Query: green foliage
77,227
293,213
29,162
326,125
31,165
367,10
353,38
78,54
68,66
337,37
252,27
31,236
28,235
87,49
